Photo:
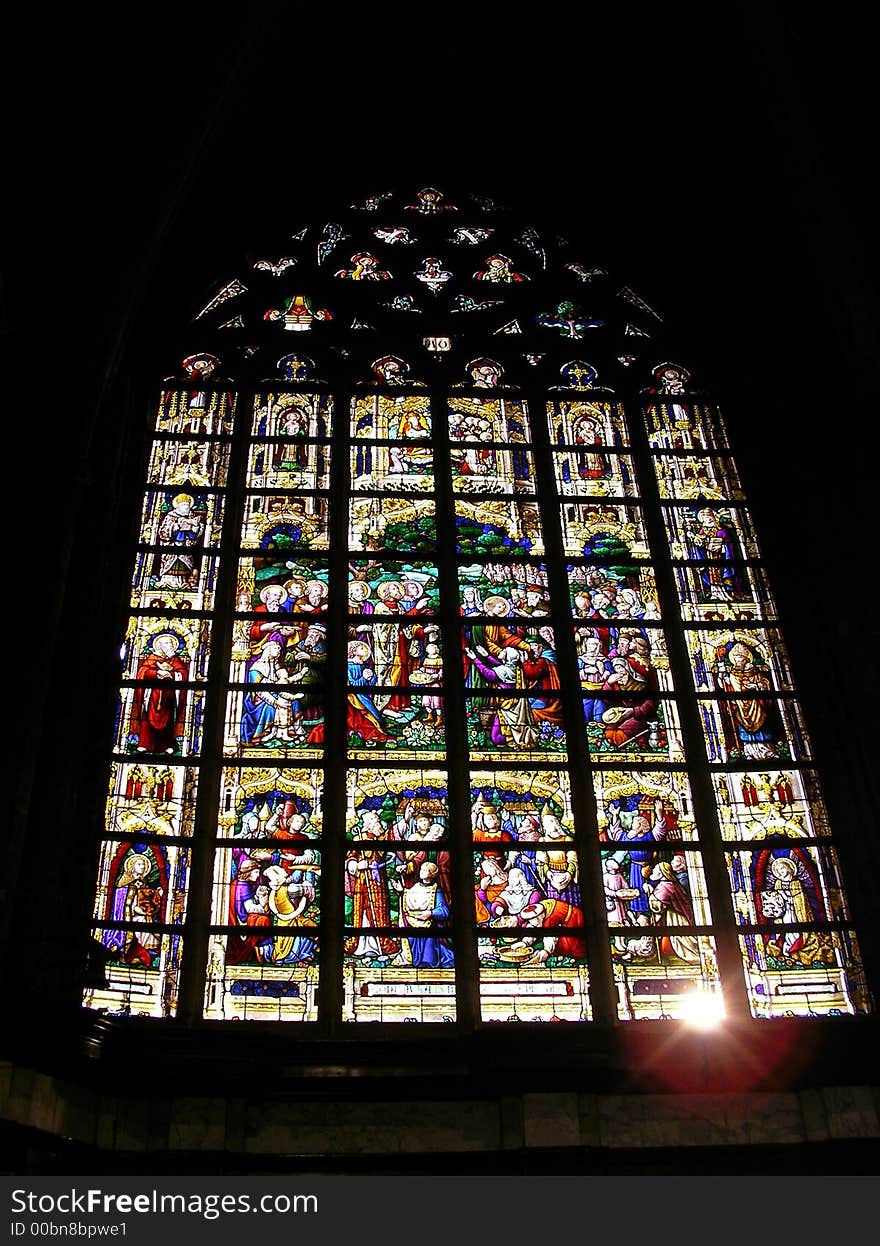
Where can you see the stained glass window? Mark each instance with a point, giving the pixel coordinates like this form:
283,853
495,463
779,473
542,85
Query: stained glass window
452,689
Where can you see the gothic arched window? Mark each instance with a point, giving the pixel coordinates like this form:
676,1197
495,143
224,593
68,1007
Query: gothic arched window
452,687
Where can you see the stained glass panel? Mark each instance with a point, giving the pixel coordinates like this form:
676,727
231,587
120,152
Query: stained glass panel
195,464
603,530
294,416
697,476
770,803
498,528
803,973
396,525
753,729
150,798
587,423
670,976
280,522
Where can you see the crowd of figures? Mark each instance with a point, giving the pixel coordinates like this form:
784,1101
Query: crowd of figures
274,888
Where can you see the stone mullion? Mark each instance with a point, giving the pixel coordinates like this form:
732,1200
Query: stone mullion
196,931
703,794
467,969
330,992
602,989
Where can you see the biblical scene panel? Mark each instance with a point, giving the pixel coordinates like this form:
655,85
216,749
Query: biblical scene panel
518,955
522,656
170,649
685,426
268,802
648,887
398,525
499,528
509,882
396,467
621,666
384,587
517,984
136,987
513,806
616,588
149,798
161,718
396,655
710,477
390,975
274,719
141,882
604,531
388,885
753,729
380,417
278,988
770,804
503,725
273,586
283,667
283,522
479,421
268,888
397,804
594,473
586,423
720,536
401,725
491,469
740,660
288,465
644,809
803,973
166,580
786,883
292,415
196,464
731,593
642,727
503,589
668,975
196,412
185,521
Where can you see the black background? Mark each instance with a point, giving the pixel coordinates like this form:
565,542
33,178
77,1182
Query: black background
718,158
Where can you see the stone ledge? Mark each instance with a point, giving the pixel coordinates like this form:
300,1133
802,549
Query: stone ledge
266,1126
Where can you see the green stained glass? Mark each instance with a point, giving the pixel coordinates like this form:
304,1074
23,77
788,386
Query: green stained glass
282,522
392,524
603,528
